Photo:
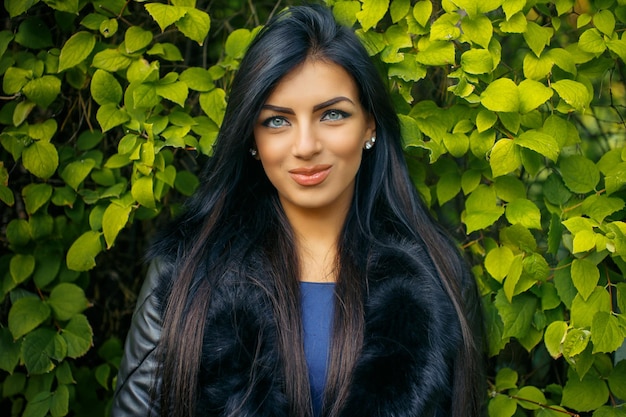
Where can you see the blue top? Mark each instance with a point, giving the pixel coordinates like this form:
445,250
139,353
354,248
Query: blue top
317,322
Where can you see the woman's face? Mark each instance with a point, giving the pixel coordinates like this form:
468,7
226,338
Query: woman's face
310,136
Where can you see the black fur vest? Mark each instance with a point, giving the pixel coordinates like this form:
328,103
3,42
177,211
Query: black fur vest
405,369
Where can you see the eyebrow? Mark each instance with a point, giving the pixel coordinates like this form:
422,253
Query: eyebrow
317,107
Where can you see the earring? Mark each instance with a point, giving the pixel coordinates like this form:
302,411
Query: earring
370,143
253,152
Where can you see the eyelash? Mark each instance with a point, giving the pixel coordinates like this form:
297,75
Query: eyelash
341,113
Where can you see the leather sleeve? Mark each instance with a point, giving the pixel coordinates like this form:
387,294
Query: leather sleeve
138,368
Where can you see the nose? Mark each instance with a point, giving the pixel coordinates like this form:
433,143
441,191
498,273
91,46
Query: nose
306,143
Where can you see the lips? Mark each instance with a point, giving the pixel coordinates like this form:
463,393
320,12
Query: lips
310,176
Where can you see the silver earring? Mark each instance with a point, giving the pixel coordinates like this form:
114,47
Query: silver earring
253,152
370,143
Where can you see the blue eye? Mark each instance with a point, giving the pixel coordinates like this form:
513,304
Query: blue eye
333,115
275,122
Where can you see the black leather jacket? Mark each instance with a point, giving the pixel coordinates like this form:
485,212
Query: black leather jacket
410,346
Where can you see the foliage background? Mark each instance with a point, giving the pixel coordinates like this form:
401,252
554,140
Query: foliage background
513,112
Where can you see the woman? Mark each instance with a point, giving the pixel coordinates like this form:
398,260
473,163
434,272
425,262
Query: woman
305,277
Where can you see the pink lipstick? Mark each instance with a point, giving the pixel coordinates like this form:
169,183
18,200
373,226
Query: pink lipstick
310,176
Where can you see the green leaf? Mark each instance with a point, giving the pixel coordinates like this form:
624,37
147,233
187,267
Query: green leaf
93,21
43,91
448,187
436,53
167,51
485,120
617,379
36,196
509,188
39,405
539,142
136,39
477,61
576,341
618,46
582,311
109,116
513,280
111,60
145,96
237,43
76,172
21,267
213,104
537,37
59,403
27,314
195,25
186,182
585,276
481,210
604,21
371,13
41,159
445,28
530,398
478,30
585,395
345,12
82,253
105,88
532,94
15,78
584,241
108,27
9,351
17,7
143,191
43,131
517,315
76,50
504,157
498,262
114,219
176,92
456,143
591,41
517,23
502,95
399,9
573,93
579,173
524,212
198,79
606,333
67,300
501,406
78,335
554,338
22,111
511,7
164,14
506,379
40,347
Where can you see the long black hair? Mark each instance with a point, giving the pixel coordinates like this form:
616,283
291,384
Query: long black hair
236,195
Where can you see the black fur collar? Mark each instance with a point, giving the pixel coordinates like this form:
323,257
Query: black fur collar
405,368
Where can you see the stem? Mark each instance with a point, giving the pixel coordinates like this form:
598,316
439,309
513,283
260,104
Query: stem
546,406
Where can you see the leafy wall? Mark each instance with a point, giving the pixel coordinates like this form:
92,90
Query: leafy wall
513,114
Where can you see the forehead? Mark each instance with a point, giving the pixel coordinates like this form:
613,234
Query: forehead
315,80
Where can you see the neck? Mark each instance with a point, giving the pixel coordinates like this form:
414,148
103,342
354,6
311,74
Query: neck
317,234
